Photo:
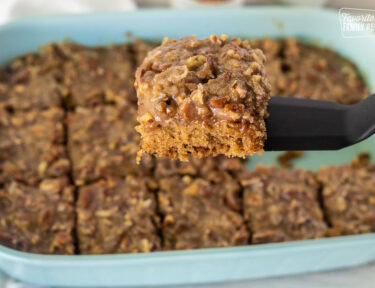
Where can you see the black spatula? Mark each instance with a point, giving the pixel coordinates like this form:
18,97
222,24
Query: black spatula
303,124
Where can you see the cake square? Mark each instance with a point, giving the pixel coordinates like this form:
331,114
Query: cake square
32,145
117,215
282,205
296,69
38,219
349,198
321,74
30,82
99,75
202,97
201,212
102,142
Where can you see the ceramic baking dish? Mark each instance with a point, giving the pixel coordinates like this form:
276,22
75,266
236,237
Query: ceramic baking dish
205,265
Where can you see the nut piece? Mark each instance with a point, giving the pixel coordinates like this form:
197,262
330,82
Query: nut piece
218,102
192,189
147,118
196,61
198,95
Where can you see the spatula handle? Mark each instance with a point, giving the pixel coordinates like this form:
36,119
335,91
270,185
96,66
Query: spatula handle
362,120
303,124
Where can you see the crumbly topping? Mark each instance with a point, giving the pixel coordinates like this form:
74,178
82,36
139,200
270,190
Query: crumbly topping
282,205
31,145
199,213
38,219
349,198
117,215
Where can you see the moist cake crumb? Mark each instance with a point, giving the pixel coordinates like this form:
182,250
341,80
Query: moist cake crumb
202,97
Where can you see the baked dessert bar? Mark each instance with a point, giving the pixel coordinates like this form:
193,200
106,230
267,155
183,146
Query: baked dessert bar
99,75
32,145
322,74
201,212
295,69
349,198
30,82
200,202
202,97
102,142
38,219
282,205
117,215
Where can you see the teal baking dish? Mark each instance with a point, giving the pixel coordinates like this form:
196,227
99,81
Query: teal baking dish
204,265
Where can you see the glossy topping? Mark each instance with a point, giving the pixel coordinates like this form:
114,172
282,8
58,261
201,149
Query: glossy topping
202,80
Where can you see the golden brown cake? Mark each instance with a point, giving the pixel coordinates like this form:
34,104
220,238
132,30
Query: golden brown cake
202,97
